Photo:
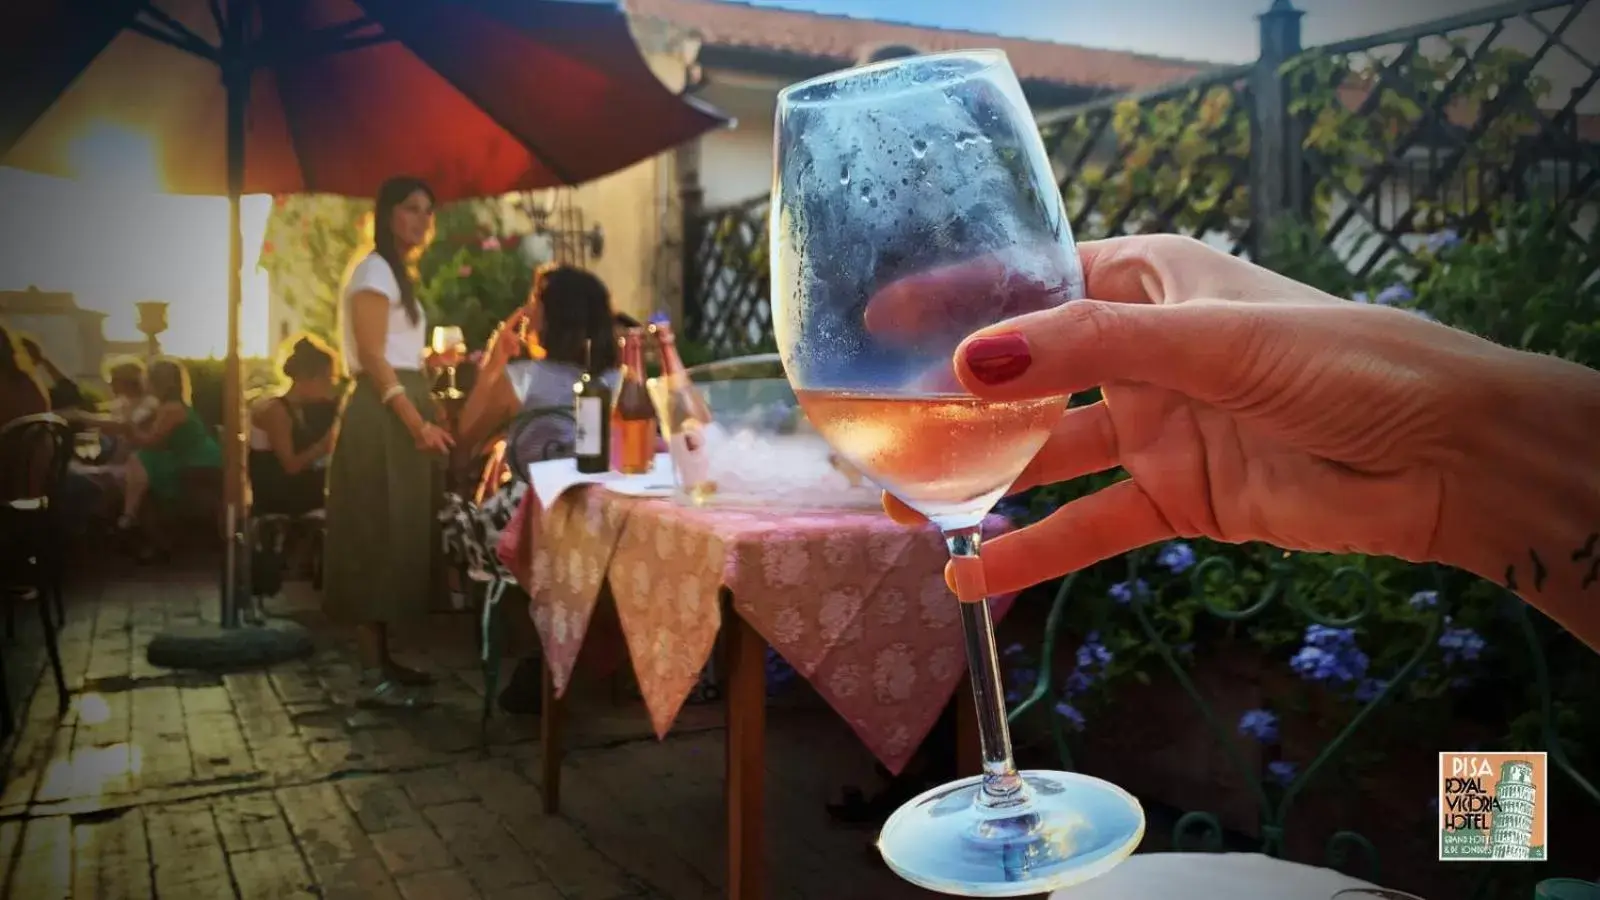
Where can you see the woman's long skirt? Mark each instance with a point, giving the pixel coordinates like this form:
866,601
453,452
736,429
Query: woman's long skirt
382,545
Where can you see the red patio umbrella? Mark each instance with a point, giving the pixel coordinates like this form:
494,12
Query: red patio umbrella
479,97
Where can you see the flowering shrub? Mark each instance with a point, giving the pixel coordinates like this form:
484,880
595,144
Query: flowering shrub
476,286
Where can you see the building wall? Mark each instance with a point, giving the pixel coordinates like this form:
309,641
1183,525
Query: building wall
736,164
71,337
638,208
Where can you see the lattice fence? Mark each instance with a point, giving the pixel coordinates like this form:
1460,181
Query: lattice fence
1175,160
1444,127
1375,146
728,307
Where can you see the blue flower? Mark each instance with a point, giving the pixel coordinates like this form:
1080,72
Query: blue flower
1093,653
1123,591
1259,724
1440,241
1394,295
1361,297
1369,689
1330,655
1461,644
1024,677
1071,714
1282,771
1323,636
1078,682
1177,556
1424,599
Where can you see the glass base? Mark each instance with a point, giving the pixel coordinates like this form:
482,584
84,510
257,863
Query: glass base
1074,828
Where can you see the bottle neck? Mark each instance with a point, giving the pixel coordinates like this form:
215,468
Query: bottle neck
670,363
633,358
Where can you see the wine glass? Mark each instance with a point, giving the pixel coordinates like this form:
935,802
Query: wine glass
913,204
450,346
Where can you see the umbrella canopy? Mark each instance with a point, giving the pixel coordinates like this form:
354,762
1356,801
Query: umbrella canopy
478,97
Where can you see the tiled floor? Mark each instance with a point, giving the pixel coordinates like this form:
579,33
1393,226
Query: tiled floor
271,784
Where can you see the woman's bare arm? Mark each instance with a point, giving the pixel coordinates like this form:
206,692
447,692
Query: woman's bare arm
1523,508
489,407
154,431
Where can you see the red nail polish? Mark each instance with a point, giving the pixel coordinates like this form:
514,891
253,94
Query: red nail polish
998,359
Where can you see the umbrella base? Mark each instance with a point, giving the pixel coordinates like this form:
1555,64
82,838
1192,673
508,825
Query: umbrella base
212,648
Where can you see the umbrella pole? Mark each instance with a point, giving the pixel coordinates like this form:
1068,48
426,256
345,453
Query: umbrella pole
233,457
225,646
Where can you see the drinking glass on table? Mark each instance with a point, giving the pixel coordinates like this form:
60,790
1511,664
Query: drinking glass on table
913,204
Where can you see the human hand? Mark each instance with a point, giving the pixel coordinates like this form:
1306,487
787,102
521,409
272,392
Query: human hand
431,438
1244,406
507,340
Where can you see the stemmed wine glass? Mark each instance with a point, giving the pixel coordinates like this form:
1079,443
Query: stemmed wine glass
449,347
913,204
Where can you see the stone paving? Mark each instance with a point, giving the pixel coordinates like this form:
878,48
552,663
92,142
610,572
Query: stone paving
270,784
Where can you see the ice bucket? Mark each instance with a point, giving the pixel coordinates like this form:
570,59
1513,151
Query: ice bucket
761,450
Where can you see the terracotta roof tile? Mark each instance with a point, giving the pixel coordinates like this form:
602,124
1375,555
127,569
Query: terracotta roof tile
841,39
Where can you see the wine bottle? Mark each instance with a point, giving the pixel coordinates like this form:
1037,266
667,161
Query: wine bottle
684,416
633,417
591,398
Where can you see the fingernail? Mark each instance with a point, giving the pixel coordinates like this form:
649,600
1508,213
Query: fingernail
998,358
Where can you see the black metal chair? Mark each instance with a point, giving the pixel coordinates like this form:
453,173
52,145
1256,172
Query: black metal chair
34,452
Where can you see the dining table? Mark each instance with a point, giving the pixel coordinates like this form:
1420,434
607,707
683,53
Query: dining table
1222,876
854,602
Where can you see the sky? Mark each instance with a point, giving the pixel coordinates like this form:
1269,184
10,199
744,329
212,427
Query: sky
112,241
1215,30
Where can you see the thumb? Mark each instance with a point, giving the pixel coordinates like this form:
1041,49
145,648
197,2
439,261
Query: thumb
1201,348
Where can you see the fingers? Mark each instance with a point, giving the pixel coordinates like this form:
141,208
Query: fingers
1201,348
1107,523
1082,443
900,512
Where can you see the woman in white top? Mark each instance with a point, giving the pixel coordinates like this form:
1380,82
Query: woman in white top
385,476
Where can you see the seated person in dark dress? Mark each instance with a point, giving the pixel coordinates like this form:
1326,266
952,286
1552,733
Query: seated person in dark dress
291,434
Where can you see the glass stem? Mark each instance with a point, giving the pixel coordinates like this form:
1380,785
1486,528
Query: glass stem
1003,788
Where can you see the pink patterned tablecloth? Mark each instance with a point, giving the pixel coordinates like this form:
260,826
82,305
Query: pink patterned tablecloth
856,603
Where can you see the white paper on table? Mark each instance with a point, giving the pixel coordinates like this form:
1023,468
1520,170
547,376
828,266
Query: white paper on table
554,477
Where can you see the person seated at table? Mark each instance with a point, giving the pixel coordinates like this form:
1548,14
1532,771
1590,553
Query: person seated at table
21,393
64,393
525,388
171,441
131,399
291,433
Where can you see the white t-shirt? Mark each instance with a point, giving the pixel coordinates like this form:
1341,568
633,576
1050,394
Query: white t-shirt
403,346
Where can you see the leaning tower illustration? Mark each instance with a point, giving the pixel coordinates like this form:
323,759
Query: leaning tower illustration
1511,831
